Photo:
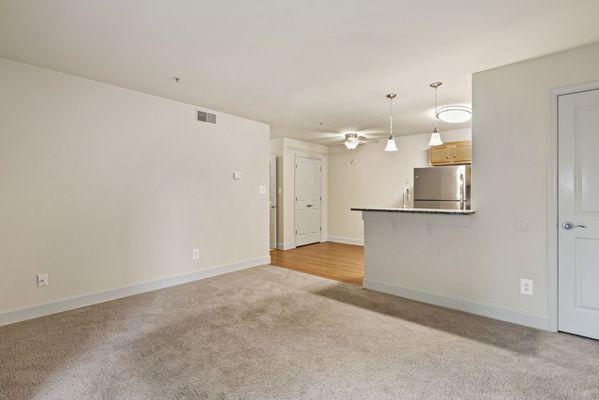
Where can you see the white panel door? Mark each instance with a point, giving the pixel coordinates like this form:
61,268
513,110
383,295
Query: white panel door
272,201
578,136
308,199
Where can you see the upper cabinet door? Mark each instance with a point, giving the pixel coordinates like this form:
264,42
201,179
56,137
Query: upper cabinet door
451,153
439,155
462,153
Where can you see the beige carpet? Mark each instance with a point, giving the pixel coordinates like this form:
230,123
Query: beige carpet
271,333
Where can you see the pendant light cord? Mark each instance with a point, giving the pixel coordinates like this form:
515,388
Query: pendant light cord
436,107
391,118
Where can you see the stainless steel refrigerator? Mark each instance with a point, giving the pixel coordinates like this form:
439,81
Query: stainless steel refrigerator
445,187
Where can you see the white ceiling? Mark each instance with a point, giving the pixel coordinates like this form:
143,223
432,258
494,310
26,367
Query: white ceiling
295,64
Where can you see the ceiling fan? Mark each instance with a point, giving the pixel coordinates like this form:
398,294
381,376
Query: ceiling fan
352,140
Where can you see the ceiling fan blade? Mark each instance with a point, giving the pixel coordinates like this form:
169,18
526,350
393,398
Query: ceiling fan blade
333,140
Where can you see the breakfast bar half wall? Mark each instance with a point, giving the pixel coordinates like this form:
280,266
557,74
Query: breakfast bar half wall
434,256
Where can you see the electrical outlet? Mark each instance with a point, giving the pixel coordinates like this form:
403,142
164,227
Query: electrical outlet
526,287
262,189
236,175
195,254
42,280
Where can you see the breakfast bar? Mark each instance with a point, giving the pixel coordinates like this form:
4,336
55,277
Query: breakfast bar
405,248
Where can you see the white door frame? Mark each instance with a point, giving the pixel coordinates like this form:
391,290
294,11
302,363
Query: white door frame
553,193
273,162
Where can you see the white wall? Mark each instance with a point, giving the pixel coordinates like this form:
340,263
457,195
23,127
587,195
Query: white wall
103,187
371,177
512,109
287,150
511,150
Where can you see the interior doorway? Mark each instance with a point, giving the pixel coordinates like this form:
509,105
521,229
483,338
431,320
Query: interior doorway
272,201
308,200
578,213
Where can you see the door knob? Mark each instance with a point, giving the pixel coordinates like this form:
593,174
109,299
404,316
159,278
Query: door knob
571,225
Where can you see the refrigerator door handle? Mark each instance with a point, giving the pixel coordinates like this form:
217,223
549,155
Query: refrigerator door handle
462,192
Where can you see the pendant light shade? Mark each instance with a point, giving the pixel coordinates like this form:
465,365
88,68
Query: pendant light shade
435,136
435,139
391,145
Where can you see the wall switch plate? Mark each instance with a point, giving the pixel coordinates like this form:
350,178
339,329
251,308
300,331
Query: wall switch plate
195,254
280,190
42,280
236,175
262,189
526,287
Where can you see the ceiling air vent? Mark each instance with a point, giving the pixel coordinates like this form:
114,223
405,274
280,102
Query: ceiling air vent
206,117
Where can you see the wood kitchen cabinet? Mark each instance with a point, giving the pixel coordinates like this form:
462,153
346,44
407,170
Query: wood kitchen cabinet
451,153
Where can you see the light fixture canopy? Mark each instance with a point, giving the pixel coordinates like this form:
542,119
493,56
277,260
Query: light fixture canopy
391,145
435,136
454,114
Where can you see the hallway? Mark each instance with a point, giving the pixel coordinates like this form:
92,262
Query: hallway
338,261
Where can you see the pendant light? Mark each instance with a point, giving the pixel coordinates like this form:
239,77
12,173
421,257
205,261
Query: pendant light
391,145
435,136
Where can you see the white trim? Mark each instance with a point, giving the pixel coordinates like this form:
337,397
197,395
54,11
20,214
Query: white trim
485,310
339,239
552,201
552,216
285,246
125,291
272,164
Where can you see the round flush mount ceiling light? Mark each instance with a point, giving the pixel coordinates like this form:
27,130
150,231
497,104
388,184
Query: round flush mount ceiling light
454,114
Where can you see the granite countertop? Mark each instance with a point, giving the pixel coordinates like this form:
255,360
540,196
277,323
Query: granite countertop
417,210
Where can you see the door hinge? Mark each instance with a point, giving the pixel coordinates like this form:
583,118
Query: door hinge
321,228
296,166
321,168
296,231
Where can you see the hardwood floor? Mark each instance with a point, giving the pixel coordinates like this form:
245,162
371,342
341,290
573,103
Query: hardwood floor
342,262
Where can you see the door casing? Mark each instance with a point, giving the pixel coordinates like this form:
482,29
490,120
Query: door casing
273,202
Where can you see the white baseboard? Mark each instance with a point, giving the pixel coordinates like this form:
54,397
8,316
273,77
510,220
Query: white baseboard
113,294
485,310
285,246
339,239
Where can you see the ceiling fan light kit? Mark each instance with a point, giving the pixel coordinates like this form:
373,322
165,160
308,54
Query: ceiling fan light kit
351,141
